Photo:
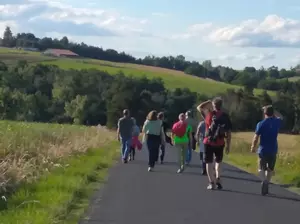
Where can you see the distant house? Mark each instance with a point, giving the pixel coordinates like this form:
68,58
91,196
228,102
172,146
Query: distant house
60,53
30,49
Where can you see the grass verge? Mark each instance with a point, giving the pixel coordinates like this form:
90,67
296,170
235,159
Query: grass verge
287,170
62,195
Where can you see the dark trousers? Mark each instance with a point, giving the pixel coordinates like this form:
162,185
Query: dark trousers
132,152
153,143
162,155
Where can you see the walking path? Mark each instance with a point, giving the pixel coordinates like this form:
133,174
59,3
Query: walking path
134,196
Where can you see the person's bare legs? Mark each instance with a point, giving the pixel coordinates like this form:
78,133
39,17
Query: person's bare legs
210,172
217,170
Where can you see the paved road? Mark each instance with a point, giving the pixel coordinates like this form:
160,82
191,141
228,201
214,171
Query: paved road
134,196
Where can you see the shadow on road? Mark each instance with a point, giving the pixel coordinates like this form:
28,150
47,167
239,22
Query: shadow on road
270,195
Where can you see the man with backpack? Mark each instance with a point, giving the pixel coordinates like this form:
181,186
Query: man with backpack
267,130
217,128
181,135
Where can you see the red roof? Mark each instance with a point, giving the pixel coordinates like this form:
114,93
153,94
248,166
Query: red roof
61,52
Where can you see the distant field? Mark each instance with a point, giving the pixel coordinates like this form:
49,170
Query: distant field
294,79
172,78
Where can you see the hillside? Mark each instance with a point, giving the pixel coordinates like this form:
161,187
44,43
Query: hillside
172,78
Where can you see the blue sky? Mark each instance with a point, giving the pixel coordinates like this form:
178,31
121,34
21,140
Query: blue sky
234,33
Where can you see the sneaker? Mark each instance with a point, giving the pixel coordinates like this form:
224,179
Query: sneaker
129,158
161,162
219,185
182,168
149,169
264,188
204,173
211,186
179,170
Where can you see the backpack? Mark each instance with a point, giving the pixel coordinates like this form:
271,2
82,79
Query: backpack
216,129
179,128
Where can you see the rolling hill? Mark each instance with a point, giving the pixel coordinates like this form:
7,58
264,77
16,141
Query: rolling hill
172,78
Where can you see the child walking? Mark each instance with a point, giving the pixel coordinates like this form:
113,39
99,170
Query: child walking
135,143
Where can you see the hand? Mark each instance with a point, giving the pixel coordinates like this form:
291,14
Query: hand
227,150
253,149
118,137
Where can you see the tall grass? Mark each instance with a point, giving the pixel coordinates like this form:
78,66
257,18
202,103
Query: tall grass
28,150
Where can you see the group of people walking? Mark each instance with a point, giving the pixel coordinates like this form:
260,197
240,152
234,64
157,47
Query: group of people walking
213,135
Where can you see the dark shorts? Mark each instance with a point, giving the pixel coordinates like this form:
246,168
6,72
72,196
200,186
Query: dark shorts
267,161
213,151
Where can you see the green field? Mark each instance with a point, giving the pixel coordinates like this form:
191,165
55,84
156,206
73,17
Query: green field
172,78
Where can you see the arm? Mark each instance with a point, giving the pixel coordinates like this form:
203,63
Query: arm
205,107
256,137
190,135
118,131
228,140
162,135
144,127
278,115
254,142
197,136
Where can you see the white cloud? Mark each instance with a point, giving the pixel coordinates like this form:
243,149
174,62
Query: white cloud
248,57
108,19
51,14
193,31
272,31
8,10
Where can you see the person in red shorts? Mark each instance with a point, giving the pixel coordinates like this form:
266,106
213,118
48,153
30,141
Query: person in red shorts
217,128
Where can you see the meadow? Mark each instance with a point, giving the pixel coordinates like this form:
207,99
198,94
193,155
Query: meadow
287,170
46,170
172,78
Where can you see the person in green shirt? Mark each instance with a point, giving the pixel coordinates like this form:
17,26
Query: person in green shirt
182,143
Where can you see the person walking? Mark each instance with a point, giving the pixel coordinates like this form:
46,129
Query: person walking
192,145
124,134
267,130
217,128
135,142
154,136
161,117
199,138
181,135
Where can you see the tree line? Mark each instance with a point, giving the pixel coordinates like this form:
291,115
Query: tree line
46,93
271,78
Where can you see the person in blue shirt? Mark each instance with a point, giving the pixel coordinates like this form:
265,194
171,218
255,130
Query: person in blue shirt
267,130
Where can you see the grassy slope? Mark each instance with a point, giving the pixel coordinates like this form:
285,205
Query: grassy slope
52,168
294,79
172,78
288,162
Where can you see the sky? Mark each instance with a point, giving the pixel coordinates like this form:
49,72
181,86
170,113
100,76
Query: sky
235,33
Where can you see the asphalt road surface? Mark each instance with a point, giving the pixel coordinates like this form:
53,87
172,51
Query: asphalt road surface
134,196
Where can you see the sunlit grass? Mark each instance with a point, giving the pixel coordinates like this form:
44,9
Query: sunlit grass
44,166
